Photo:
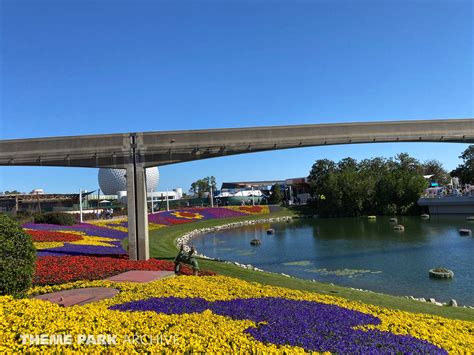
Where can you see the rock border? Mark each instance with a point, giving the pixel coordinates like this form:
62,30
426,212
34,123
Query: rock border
185,239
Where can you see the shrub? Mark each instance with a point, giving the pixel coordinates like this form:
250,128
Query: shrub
17,258
276,197
23,217
63,219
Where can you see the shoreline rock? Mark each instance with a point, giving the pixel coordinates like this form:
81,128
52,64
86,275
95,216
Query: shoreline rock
185,239
188,237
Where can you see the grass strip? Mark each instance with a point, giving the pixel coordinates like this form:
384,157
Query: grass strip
163,246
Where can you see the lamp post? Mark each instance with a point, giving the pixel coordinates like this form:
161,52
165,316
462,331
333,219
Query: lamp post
167,201
253,198
212,197
291,196
80,203
152,202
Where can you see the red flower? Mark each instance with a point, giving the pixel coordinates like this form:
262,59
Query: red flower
52,270
186,214
51,236
177,221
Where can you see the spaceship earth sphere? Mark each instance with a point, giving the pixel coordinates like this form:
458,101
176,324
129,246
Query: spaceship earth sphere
113,180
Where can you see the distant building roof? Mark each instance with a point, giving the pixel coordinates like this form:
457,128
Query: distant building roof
42,197
249,184
296,181
259,184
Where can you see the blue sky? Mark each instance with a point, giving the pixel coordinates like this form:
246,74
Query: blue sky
88,67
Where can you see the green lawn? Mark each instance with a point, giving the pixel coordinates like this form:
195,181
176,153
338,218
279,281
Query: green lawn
162,246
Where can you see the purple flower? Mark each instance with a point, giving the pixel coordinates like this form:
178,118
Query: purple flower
225,213
310,325
74,249
169,217
78,249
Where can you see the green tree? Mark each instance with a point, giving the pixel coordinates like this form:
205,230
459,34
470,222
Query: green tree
320,180
201,186
407,163
401,186
349,185
435,168
320,171
373,186
465,171
370,172
276,196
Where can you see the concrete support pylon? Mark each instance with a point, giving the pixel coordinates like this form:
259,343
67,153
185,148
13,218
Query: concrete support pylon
138,248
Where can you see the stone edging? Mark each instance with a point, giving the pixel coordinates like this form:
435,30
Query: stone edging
185,239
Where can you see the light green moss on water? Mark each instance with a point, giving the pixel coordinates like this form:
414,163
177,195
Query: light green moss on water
298,263
163,246
342,272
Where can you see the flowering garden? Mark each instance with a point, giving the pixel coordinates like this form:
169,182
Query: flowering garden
103,237
222,314
52,270
209,313
93,250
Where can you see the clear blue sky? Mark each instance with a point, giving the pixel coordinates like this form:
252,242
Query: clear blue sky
87,67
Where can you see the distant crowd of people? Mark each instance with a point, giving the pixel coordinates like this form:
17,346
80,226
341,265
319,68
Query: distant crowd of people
440,191
466,190
105,213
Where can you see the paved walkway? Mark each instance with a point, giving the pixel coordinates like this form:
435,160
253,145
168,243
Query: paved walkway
81,296
141,276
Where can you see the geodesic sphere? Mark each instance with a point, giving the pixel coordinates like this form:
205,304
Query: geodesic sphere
113,180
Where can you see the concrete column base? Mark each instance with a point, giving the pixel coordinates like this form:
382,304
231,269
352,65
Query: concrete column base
138,248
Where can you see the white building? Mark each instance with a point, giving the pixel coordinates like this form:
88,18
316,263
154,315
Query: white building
174,194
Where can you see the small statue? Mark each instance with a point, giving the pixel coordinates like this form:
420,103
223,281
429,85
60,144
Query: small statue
186,258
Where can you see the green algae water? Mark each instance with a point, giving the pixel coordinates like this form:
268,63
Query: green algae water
359,253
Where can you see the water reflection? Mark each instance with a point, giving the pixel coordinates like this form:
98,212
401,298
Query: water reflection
358,253
363,229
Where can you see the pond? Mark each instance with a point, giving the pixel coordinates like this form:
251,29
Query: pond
359,253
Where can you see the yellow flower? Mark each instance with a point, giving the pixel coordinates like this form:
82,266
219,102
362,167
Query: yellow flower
86,240
187,215
48,245
111,224
203,332
94,240
155,226
260,209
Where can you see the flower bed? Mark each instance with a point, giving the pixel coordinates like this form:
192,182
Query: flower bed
79,239
78,247
63,243
201,214
311,325
104,237
50,236
222,314
51,270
